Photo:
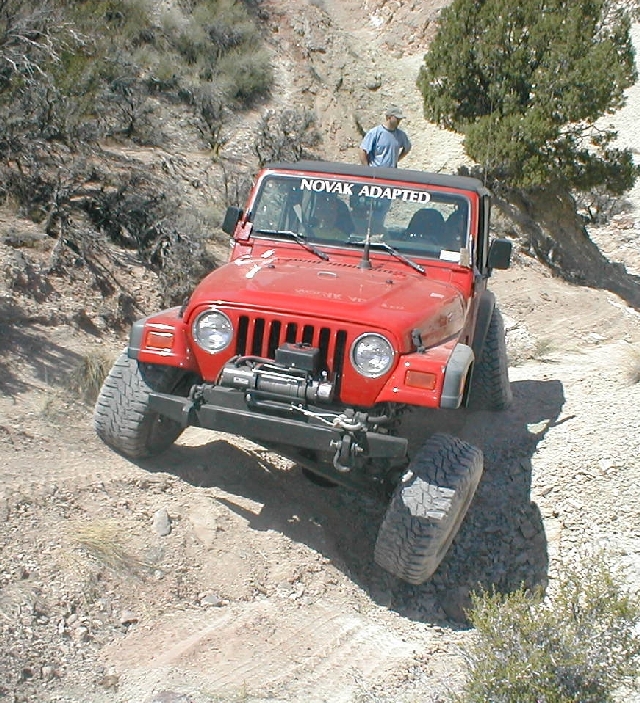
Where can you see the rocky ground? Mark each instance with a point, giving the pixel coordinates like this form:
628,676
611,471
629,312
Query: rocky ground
217,572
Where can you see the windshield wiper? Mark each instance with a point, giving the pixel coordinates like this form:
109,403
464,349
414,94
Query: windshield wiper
393,252
296,238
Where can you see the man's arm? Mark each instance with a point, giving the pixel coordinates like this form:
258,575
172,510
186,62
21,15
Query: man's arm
368,147
405,148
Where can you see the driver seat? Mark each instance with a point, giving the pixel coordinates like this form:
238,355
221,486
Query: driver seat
427,225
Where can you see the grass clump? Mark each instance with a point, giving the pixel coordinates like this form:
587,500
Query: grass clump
542,349
102,541
579,645
633,368
87,378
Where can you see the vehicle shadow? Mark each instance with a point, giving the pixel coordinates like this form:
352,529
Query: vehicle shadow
500,546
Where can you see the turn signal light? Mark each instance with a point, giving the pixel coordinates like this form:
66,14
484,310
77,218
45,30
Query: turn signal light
421,379
159,340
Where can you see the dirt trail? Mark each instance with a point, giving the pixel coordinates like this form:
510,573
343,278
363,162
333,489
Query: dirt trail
218,571
347,61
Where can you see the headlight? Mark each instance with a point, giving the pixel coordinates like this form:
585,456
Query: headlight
372,355
213,331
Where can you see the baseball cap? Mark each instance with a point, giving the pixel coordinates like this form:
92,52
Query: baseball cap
394,111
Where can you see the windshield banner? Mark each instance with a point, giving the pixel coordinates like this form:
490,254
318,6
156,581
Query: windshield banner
317,185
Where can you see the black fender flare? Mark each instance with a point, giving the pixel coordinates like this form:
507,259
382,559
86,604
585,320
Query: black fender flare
135,338
456,377
486,305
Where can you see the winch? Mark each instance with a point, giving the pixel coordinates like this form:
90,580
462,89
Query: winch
293,376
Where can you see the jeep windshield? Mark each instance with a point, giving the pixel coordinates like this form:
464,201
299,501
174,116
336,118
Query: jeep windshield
414,220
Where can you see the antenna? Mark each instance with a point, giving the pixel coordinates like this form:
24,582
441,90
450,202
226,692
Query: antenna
365,262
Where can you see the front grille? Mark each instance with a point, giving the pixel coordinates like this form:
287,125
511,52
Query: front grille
259,336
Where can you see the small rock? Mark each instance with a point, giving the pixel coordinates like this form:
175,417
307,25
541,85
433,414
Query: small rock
528,529
128,617
213,600
456,603
80,634
374,83
169,697
47,673
25,674
162,522
104,604
109,681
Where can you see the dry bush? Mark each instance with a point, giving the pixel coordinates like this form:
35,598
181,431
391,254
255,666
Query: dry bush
598,207
87,379
542,349
285,135
132,212
181,258
633,366
209,102
73,72
237,184
581,643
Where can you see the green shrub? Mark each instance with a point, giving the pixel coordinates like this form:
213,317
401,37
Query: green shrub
126,21
92,70
211,31
576,646
247,77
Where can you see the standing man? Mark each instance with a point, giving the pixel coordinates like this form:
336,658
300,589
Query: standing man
385,144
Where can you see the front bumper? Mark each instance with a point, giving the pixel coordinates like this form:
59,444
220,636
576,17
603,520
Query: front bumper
225,410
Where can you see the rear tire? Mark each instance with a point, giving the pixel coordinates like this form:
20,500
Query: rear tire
427,508
490,387
122,418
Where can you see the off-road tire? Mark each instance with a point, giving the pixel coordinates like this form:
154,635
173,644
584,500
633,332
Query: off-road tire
427,508
490,387
122,418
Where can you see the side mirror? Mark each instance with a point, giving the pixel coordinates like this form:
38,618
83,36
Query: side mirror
500,254
231,219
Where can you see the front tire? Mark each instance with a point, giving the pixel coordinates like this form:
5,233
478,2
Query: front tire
122,418
427,508
490,387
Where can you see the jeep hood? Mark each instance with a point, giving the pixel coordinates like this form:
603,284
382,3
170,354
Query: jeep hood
378,298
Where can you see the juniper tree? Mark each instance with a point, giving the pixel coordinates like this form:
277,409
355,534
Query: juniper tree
526,82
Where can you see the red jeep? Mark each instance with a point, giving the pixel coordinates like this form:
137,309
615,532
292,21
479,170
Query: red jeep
352,294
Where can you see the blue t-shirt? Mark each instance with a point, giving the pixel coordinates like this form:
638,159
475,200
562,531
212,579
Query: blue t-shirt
383,145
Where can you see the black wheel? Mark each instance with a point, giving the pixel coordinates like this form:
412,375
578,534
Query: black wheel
427,508
490,387
122,418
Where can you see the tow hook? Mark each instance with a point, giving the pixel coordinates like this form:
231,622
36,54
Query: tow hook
347,450
196,398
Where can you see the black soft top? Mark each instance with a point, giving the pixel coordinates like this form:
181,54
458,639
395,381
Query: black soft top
401,175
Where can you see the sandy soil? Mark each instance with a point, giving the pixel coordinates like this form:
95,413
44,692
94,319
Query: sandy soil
218,572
